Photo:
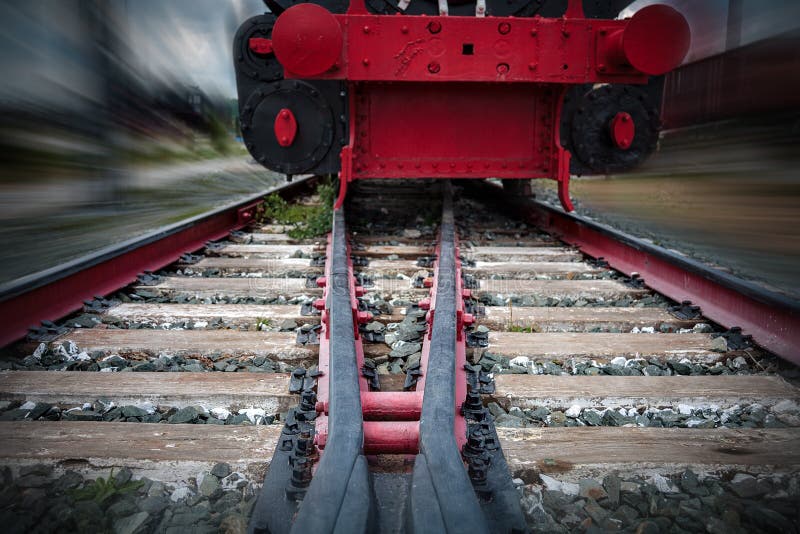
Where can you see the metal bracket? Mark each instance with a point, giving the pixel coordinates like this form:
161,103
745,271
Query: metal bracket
685,311
247,214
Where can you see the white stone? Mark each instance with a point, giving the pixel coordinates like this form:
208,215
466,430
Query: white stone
220,412
149,407
662,484
569,488
181,493
739,362
619,361
695,422
550,483
82,357
255,415
40,350
684,409
28,406
108,370
200,324
106,405
574,411
635,330
60,350
412,233
87,405
231,481
522,361
726,416
572,367
648,330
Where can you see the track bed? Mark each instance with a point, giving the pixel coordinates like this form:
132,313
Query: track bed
612,412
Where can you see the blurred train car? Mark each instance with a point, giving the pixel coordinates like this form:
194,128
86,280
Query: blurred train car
744,61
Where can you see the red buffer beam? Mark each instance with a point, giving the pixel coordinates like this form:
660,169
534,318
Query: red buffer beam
468,97
309,41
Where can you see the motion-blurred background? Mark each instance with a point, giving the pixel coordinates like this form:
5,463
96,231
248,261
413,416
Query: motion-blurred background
119,116
724,185
116,117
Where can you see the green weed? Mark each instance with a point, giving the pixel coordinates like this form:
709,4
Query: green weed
307,221
102,489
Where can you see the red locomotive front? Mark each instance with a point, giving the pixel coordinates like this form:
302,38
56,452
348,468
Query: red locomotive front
353,91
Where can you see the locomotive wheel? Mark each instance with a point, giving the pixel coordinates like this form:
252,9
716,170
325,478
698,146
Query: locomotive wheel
315,126
262,67
591,129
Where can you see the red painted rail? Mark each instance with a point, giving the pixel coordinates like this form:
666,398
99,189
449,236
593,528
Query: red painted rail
56,292
771,318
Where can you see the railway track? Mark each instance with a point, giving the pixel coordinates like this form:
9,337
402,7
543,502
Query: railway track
610,412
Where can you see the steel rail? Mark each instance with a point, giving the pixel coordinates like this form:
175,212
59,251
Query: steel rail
771,318
53,293
442,496
339,498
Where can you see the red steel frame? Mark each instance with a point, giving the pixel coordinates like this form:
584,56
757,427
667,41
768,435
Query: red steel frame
391,419
60,291
467,97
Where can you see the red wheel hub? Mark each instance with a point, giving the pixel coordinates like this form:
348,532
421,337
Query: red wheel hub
260,45
285,127
622,130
